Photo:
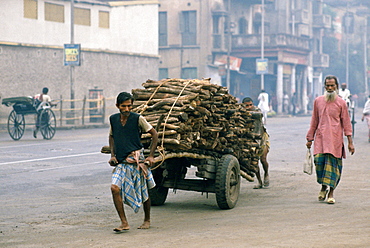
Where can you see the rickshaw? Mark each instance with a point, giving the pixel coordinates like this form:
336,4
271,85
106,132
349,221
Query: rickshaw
45,117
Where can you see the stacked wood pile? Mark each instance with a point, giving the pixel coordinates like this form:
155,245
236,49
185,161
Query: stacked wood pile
199,117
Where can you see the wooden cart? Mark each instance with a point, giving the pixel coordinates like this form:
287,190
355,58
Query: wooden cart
45,117
199,124
216,173
219,175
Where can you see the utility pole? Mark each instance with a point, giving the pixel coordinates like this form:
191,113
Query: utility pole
365,59
72,68
347,25
263,41
228,44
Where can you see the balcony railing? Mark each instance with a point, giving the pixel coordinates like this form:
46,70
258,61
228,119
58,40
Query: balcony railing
320,60
273,40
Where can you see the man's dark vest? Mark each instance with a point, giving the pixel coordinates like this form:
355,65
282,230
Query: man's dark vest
126,138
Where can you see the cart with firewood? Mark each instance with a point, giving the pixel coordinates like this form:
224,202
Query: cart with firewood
25,105
199,124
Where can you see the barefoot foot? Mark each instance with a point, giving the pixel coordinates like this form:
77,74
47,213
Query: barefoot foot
266,181
122,228
145,225
258,186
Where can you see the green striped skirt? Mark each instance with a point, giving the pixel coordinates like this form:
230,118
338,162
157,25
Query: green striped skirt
328,169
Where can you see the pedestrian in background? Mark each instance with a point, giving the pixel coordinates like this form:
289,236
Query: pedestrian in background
286,103
330,119
263,104
366,114
40,100
294,103
345,94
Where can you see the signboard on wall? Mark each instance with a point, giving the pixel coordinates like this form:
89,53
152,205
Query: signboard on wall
235,62
72,54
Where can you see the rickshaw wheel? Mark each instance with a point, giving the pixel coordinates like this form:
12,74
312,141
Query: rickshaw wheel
47,123
16,125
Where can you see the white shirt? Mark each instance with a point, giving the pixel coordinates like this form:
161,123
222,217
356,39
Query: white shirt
345,94
263,101
367,108
45,98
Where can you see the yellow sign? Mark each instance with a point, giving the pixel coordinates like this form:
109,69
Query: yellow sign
71,54
262,66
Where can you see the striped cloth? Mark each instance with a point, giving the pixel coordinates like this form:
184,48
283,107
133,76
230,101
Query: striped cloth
133,183
328,169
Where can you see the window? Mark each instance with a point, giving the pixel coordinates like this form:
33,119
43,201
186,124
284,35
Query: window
304,4
188,27
243,24
189,73
215,24
82,16
54,12
30,9
103,19
163,73
162,28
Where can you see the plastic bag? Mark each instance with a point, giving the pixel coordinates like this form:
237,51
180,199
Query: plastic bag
308,163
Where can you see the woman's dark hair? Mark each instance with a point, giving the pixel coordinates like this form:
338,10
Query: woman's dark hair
124,96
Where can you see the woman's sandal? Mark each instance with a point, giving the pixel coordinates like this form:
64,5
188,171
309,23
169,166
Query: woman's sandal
322,195
331,200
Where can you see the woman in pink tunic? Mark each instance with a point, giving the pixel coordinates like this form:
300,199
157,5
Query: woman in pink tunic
330,120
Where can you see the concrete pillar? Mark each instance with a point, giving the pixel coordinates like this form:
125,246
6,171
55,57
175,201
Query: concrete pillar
320,89
317,84
304,91
250,22
279,88
293,79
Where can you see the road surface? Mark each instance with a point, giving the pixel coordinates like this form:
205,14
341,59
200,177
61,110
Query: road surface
56,193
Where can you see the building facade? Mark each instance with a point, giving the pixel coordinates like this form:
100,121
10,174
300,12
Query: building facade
119,48
199,39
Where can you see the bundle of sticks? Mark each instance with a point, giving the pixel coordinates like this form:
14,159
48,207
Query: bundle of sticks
196,116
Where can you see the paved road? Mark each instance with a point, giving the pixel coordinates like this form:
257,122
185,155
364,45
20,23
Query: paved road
56,194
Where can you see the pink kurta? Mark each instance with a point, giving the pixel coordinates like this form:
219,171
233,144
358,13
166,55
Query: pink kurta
329,121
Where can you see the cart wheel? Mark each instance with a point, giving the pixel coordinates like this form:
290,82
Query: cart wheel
158,194
47,123
16,125
227,182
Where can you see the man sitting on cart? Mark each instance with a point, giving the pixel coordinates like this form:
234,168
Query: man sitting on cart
40,100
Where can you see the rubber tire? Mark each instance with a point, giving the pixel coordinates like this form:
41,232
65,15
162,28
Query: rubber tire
227,182
16,125
47,123
158,194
